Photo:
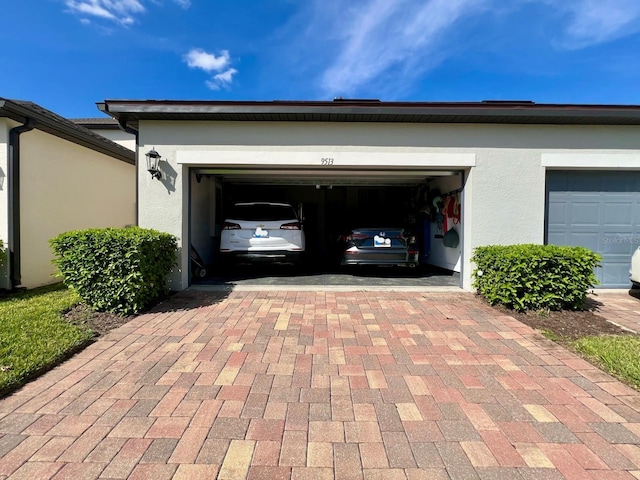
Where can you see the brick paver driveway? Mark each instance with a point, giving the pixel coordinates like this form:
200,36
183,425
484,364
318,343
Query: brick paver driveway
321,385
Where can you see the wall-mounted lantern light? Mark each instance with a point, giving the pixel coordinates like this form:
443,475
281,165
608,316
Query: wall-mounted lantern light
153,158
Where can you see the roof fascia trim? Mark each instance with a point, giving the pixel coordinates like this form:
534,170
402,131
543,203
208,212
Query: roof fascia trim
20,113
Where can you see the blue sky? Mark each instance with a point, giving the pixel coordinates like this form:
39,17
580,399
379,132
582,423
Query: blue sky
67,55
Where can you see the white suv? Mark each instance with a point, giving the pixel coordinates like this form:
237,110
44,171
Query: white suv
634,272
263,231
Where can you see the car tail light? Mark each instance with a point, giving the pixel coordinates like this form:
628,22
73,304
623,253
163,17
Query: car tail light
412,251
354,236
230,226
290,226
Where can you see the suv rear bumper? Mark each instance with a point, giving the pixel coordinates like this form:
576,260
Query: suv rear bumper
272,256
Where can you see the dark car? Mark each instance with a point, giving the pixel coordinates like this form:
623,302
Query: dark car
379,246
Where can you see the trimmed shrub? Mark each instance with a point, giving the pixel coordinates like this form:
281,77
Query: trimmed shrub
535,277
117,270
3,253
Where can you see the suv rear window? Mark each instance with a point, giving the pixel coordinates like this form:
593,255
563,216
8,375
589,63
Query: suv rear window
263,212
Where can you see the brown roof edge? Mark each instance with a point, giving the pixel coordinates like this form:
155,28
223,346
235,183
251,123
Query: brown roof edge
54,124
103,123
488,111
372,103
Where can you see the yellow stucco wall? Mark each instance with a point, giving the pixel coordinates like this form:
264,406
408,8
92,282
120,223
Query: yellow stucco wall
64,186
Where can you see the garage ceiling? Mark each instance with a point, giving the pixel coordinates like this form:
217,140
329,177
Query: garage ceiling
323,178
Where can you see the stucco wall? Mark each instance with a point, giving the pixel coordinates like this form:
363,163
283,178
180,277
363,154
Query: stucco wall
65,187
503,202
163,204
118,136
5,126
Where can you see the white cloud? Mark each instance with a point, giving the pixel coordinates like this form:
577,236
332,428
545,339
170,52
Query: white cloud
387,45
118,11
387,35
220,80
209,62
198,58
226,77
597,21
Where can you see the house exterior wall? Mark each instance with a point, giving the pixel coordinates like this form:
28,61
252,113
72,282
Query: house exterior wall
504,191
64,186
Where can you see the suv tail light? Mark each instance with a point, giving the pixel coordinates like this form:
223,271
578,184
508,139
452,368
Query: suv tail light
290,226
230,226
355,236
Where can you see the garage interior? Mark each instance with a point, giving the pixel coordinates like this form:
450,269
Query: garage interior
330,205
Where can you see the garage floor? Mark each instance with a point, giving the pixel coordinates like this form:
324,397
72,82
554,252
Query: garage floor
364,277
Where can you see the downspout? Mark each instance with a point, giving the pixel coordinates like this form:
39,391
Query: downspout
122,123
15,274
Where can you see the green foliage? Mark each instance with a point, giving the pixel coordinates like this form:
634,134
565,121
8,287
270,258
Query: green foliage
116,270
535,277
3,253
34,335
619,355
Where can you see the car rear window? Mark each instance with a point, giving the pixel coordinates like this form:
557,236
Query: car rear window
263,212
371,232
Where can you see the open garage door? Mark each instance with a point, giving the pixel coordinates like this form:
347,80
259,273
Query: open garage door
331,206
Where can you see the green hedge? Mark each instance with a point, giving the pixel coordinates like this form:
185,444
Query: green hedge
535,277
115,270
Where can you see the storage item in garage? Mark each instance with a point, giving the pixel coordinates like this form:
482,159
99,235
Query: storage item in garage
451,239
198,269
424,237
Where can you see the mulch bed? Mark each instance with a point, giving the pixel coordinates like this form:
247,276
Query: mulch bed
567,326
100,322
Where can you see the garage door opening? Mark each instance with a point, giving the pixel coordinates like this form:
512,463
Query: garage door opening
426,205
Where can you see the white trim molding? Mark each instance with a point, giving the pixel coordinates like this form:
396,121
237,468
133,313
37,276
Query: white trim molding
591,160
326,158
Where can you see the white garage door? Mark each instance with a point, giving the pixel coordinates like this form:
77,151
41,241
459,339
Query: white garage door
599,210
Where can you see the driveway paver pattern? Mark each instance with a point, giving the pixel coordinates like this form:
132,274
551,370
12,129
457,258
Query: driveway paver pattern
315,385
619,307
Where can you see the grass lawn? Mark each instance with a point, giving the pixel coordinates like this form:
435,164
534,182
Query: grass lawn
602,343
34,335
618,355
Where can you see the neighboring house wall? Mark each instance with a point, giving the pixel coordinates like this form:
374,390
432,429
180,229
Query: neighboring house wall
504,197
5,126
64,187
118,136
